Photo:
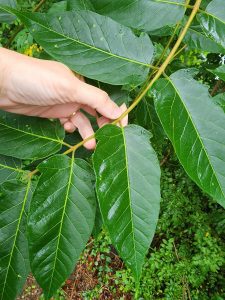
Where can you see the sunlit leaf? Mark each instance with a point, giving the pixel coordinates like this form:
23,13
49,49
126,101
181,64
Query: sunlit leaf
128,190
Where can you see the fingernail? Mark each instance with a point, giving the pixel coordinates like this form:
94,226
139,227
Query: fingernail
116,113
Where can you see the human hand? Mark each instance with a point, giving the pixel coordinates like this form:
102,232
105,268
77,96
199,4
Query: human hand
49,89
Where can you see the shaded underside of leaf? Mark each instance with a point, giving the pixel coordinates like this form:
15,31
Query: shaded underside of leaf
83,40
128,190
61,219
147,15
14,258
196,127
28,137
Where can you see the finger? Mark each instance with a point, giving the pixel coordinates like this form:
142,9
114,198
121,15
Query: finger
124,121
85,129
97,99
63,120
102,121
89,110
69,127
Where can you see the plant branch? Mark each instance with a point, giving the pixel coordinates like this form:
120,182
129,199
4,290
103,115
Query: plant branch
158,74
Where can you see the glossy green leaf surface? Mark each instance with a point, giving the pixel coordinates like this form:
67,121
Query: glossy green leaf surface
28,137
14,258
196,128
83,40
128,190
147,118
220,72
61,219
9,168
79,5
195,38
147,15
213,21
6,17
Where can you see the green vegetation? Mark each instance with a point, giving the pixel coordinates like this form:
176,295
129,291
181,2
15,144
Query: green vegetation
176,116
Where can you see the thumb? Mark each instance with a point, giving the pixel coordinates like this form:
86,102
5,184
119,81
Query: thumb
97,99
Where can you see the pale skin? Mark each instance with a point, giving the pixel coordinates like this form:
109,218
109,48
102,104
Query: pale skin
49,89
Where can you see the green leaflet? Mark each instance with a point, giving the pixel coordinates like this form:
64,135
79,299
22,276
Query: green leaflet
195,38
213,21
83,40
61,219
196,127
220,72
147,118
79,5
147,15
6,17
128,190
9,168
28,137
14,258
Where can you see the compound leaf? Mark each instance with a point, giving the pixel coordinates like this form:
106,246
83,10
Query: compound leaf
61,219
83,40
128,190
28,137
147,15
213,21
196,127
14,258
